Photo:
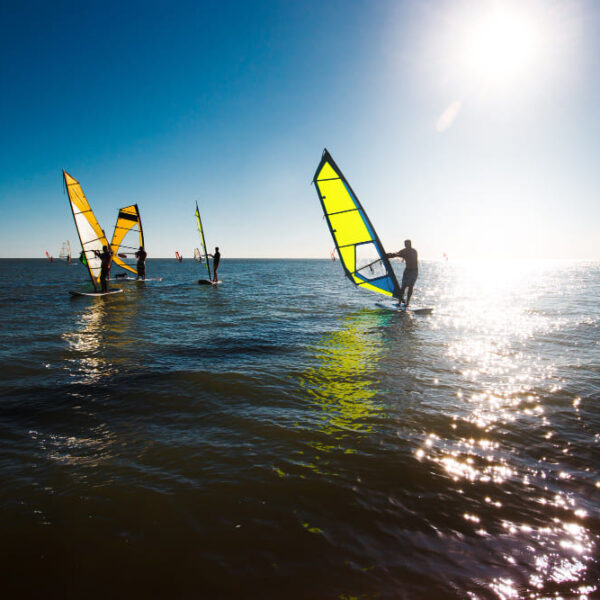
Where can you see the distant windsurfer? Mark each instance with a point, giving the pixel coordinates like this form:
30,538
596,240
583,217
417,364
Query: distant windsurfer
411,271
106,259
216,260
141,263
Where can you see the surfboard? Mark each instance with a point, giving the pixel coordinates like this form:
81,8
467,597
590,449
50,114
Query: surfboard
97,294
396,308
119,279
207,282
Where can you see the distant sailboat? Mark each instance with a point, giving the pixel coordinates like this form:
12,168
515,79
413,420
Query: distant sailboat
91,235
65,252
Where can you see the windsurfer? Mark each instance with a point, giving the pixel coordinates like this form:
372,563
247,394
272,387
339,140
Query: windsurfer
106,257
216,260
141,262
411,271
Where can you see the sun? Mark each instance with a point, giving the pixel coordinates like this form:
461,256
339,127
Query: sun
499,47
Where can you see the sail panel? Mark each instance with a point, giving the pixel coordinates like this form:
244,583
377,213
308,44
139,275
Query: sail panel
358,246
91,235
128,220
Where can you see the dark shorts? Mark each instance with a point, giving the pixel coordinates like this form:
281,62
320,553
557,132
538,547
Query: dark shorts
141,269
409,277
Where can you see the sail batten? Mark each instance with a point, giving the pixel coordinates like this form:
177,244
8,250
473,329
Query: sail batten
127,220
358,246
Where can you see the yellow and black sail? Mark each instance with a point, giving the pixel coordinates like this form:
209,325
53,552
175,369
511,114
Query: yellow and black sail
90,233
128,221
360,251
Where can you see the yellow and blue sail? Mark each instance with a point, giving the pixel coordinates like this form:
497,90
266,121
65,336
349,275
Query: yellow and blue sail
360,250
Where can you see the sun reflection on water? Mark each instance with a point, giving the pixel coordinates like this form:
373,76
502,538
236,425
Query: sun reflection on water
502,385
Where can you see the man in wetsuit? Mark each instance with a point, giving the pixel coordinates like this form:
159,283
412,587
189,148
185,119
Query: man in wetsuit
411,271
106,257
216,260
141,262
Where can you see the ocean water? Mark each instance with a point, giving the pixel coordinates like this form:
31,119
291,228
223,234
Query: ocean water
281,436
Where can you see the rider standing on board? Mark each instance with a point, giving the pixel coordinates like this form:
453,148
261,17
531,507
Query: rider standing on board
216,260
106,257
141,262
411,271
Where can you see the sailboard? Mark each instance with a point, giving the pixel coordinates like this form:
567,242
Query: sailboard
197,255
201,231
403,309
91,235
110,292
65,252
178,256
49,256
127,228
124,277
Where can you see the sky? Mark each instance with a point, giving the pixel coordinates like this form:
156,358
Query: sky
471,127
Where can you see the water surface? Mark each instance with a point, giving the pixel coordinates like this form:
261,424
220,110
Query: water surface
282,436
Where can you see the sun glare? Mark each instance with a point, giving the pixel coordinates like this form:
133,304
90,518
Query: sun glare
500,47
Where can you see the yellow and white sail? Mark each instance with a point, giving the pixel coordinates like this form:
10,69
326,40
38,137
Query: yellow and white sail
90,233
128,221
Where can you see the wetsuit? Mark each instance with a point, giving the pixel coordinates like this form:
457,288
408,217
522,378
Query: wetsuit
106,258
141,263
216,261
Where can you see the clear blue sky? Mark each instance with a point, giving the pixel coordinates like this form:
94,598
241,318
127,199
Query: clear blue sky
231,103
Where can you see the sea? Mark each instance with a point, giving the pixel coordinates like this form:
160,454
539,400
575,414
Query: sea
282,435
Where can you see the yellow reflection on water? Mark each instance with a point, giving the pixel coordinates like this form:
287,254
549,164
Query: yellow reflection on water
342,387
344,383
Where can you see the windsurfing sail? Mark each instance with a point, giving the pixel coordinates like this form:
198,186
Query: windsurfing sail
360,250
127,228
90,233
65,252
201,230
178,256
48,256
197,255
